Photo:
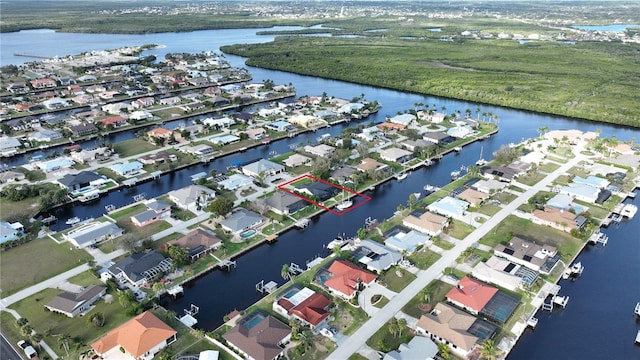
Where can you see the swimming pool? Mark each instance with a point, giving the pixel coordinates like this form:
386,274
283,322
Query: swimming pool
247,234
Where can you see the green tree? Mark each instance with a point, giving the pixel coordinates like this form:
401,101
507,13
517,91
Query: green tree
285,272
220,206
444,351
488,350
179,255
97,319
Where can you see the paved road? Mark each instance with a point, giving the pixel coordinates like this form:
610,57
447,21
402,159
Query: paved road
8,352
358,339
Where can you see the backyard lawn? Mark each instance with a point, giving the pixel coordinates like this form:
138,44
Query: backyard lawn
132,147
18,269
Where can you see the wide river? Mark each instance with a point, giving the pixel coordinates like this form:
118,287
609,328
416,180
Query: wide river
598,321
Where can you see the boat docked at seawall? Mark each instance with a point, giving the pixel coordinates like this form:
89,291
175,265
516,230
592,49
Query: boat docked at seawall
344,205
629,211
72,221
636,311
401,176
573,271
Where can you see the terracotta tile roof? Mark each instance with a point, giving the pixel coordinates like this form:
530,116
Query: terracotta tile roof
347,276
312,309
136,336
472,293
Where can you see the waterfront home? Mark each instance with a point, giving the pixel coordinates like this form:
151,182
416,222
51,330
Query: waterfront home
235,181
406,242
241,220
10,231
199,242
438,137
223,122
321,150
343,174
158,158
156,210
9,145
140,338
426,222
116,108
296,160
581,192
396,155
224,139
198,150
192,197
350,108
18,88
44,135
473,197
304,304
375,256
369,164
561,202
499,172
87,78
343,278
10,175
113,121
460,132
402,119
83,129
414,145
140,268
159,133
284,203
92,233
143,102
259,336
262,167
82,181
418,348
255,133
457,329
572,137
471,295
536,257
306,120
140,115
48,166
173,100
369,134
322,190
279,126
502,272
449,207
127,169
55,103
73,304
560,219
86,155
594,181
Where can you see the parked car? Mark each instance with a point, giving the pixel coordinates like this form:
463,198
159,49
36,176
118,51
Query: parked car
28,349
326,332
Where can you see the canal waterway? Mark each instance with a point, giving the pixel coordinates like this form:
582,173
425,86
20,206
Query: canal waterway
596,297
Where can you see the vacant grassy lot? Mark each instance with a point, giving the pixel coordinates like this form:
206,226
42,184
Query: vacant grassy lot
385,341
424,258
396,279
132,147
35,261
459,230
431,295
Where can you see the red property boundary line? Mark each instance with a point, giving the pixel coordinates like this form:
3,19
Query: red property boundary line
339,213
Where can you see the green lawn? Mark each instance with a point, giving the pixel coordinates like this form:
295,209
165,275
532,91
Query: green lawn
35,261
548,167
133,147
424,258
489,209
531,178
383,340
393,282
431,294
459,230
443,244
85,279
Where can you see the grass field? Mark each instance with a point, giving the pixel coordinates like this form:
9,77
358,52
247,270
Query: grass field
35,261
133,147
393,282
432,294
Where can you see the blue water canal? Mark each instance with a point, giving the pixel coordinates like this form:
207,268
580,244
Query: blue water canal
597,323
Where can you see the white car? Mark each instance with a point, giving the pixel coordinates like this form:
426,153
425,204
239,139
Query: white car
326,332
28,349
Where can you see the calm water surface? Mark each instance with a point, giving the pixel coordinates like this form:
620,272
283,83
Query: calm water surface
597,323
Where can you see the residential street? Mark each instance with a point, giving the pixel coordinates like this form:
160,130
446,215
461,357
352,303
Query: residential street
357,340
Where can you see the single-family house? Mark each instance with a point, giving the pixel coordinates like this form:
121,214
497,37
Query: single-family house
406,242
114,121
581,192
418,348
343,278
343,174
224,139
305,120
256,133
280,126
158,158
77,182
369,164
296,160
259,336
489,186
173,100
73,304
10,231
43,83
460,132
199,242
262,167
127,169
11,175
83,129
449,207
460,331
396,155
427,222
55,103
86,155
320,189
402,119
591,180
473,197
502,173
500,272
560,219
140,268
47,166
140,338
9,145
350,108
140,115
304,304
92,233
241,220
222,122
116,108
322,150
536,257
235,181
44,135
375,256
198,150
156,210
438,137
471,295
192,197
283,203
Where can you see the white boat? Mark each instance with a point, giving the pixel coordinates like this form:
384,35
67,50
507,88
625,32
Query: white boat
417,195
430,188
343,205
455,175
636,311
401,176
573,271
73,220
337,242
629,211
481,161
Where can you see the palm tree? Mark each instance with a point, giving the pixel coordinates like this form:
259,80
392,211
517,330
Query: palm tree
444,351
285,272
402,324
306,338
64,339
488,350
